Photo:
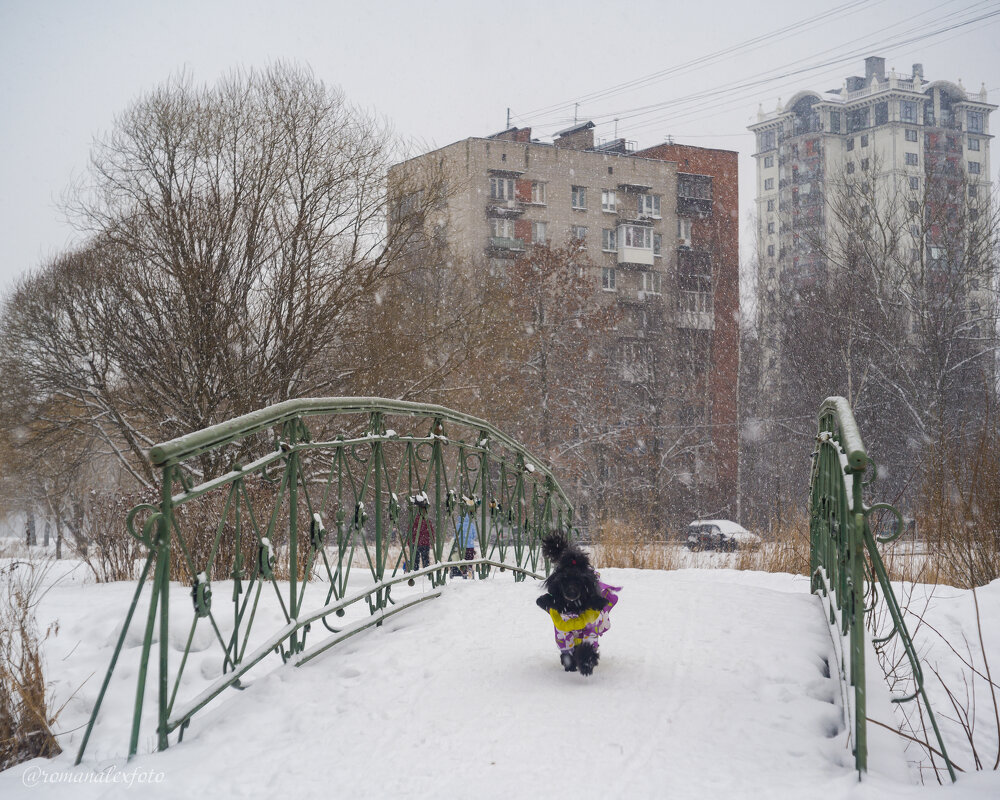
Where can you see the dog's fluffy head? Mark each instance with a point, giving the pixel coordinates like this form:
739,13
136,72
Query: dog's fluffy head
573,583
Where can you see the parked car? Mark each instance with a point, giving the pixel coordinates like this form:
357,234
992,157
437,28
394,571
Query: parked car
720,534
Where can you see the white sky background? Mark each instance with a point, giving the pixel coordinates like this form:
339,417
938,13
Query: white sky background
444,71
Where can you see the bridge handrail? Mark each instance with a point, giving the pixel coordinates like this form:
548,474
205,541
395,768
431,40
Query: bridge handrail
840,540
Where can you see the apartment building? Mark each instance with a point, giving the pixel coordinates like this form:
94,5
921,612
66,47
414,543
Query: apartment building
899,129
659,227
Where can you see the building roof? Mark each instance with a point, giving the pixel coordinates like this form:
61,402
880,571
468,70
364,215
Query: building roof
580,127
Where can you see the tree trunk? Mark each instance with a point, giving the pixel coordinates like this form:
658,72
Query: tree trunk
31,537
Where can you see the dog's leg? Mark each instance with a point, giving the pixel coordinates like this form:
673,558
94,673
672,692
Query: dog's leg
586,657
568,662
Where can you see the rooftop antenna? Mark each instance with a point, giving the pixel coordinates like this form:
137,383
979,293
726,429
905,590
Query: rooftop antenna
616,127
508,118
576,107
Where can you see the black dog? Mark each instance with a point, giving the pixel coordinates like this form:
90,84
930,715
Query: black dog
578,603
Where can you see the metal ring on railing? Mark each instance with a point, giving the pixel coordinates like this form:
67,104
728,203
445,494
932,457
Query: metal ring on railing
899,522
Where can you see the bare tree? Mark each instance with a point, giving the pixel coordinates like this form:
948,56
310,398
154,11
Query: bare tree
233,231
896,309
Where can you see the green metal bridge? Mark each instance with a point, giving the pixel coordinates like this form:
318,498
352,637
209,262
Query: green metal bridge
309,511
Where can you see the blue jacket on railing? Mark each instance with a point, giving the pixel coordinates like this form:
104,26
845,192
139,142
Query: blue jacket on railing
466,533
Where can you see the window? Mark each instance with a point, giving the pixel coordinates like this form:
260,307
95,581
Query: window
850,167
975,121
908,111
914,207
578,232
927,140
768,161
850,143
770,205
502,228
608,279
501,188
651,282
864,140
973,167
857,120
538,193
770,250
579,197
538,232
973,191
770,227
649,205
911,135
657,244
768,183
765,140
608,200
834,122
864,164
914,183
609,240
912,160
881,113
684,229
973,143
638,236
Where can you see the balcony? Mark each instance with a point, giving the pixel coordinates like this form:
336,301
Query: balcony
694,206
506,244
695,310
635,245
505,208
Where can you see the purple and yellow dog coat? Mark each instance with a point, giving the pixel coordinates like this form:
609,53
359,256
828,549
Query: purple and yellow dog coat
575,629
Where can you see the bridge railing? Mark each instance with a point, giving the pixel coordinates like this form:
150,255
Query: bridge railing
265,516
843,556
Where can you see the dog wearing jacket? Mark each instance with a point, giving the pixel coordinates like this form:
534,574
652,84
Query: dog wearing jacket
578,603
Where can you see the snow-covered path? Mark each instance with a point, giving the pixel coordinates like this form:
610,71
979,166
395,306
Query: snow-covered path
712,683
701,684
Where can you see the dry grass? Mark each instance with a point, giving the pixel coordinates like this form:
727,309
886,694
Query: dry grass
959,507
787,549
25,716
624,543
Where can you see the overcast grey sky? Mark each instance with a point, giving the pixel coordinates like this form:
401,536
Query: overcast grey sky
443,71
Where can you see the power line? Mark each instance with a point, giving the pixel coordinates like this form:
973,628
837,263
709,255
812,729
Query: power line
700,61
697,104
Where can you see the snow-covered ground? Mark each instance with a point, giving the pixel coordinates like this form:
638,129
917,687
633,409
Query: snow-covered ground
712,683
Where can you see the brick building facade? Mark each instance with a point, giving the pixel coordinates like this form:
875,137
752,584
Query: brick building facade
660,229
